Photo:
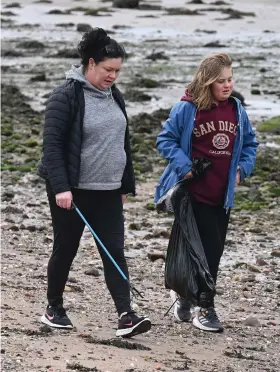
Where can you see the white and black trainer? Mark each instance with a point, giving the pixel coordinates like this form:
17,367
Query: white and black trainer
130,325
182,308
56,317
207,320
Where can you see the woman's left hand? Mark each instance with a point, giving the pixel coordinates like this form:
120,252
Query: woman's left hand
237,178
123,198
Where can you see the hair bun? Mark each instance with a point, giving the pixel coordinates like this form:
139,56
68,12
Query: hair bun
102,39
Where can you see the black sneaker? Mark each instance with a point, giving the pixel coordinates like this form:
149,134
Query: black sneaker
207,320
130,325
55,316
182,308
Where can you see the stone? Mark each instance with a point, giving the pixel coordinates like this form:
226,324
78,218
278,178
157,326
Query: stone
156,255
275,253
31,44
156,56
255,92
214,44
219,291
45,329
92,271
270,126
130,4
83,27
39,77
68,289
251,321
261,262
250,278
253,269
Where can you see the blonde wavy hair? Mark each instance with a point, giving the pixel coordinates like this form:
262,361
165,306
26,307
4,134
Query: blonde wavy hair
207,73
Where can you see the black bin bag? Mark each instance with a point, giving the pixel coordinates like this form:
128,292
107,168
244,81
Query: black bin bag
186,267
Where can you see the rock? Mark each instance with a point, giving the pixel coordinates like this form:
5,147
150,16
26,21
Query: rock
121,27
65,25
31,44
150,206
134,226
45,329
160,262
250,278
130,4
135,95
268,290
182,11
275,253
255,92
219,2
156,56
261,262
13,5
206,31
72,280
251,321
214,44
131,254
92,271
219,291
156,255
253,269
147,83
58,12
7,195
68,289
40,77
149,7
8,14
272,323
83,27
270,126
67,53
196,2
236,14
256,230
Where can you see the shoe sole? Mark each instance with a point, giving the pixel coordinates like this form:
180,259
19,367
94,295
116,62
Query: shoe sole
177,318
142,327
200,326
53,325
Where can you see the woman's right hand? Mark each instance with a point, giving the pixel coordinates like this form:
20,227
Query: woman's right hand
64,199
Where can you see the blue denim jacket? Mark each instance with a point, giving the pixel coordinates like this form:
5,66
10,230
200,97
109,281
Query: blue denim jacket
174,144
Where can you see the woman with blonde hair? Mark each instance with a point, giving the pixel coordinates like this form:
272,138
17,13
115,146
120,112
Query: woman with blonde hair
208,123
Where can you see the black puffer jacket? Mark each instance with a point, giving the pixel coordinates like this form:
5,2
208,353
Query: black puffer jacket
63,135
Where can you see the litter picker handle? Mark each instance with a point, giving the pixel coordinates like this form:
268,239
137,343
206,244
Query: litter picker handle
132,288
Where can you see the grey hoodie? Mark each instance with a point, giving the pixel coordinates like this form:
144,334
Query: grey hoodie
103,157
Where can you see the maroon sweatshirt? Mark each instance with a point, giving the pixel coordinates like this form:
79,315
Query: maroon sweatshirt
213,138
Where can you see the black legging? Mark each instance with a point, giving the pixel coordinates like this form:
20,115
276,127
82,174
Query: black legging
212,223
104,212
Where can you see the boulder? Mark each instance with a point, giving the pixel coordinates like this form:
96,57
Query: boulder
130,4
270,126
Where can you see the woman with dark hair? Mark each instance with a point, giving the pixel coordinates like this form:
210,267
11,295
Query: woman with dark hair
208,123
87,159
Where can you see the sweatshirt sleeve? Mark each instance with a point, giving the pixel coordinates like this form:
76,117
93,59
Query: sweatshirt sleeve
169,140
249,148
